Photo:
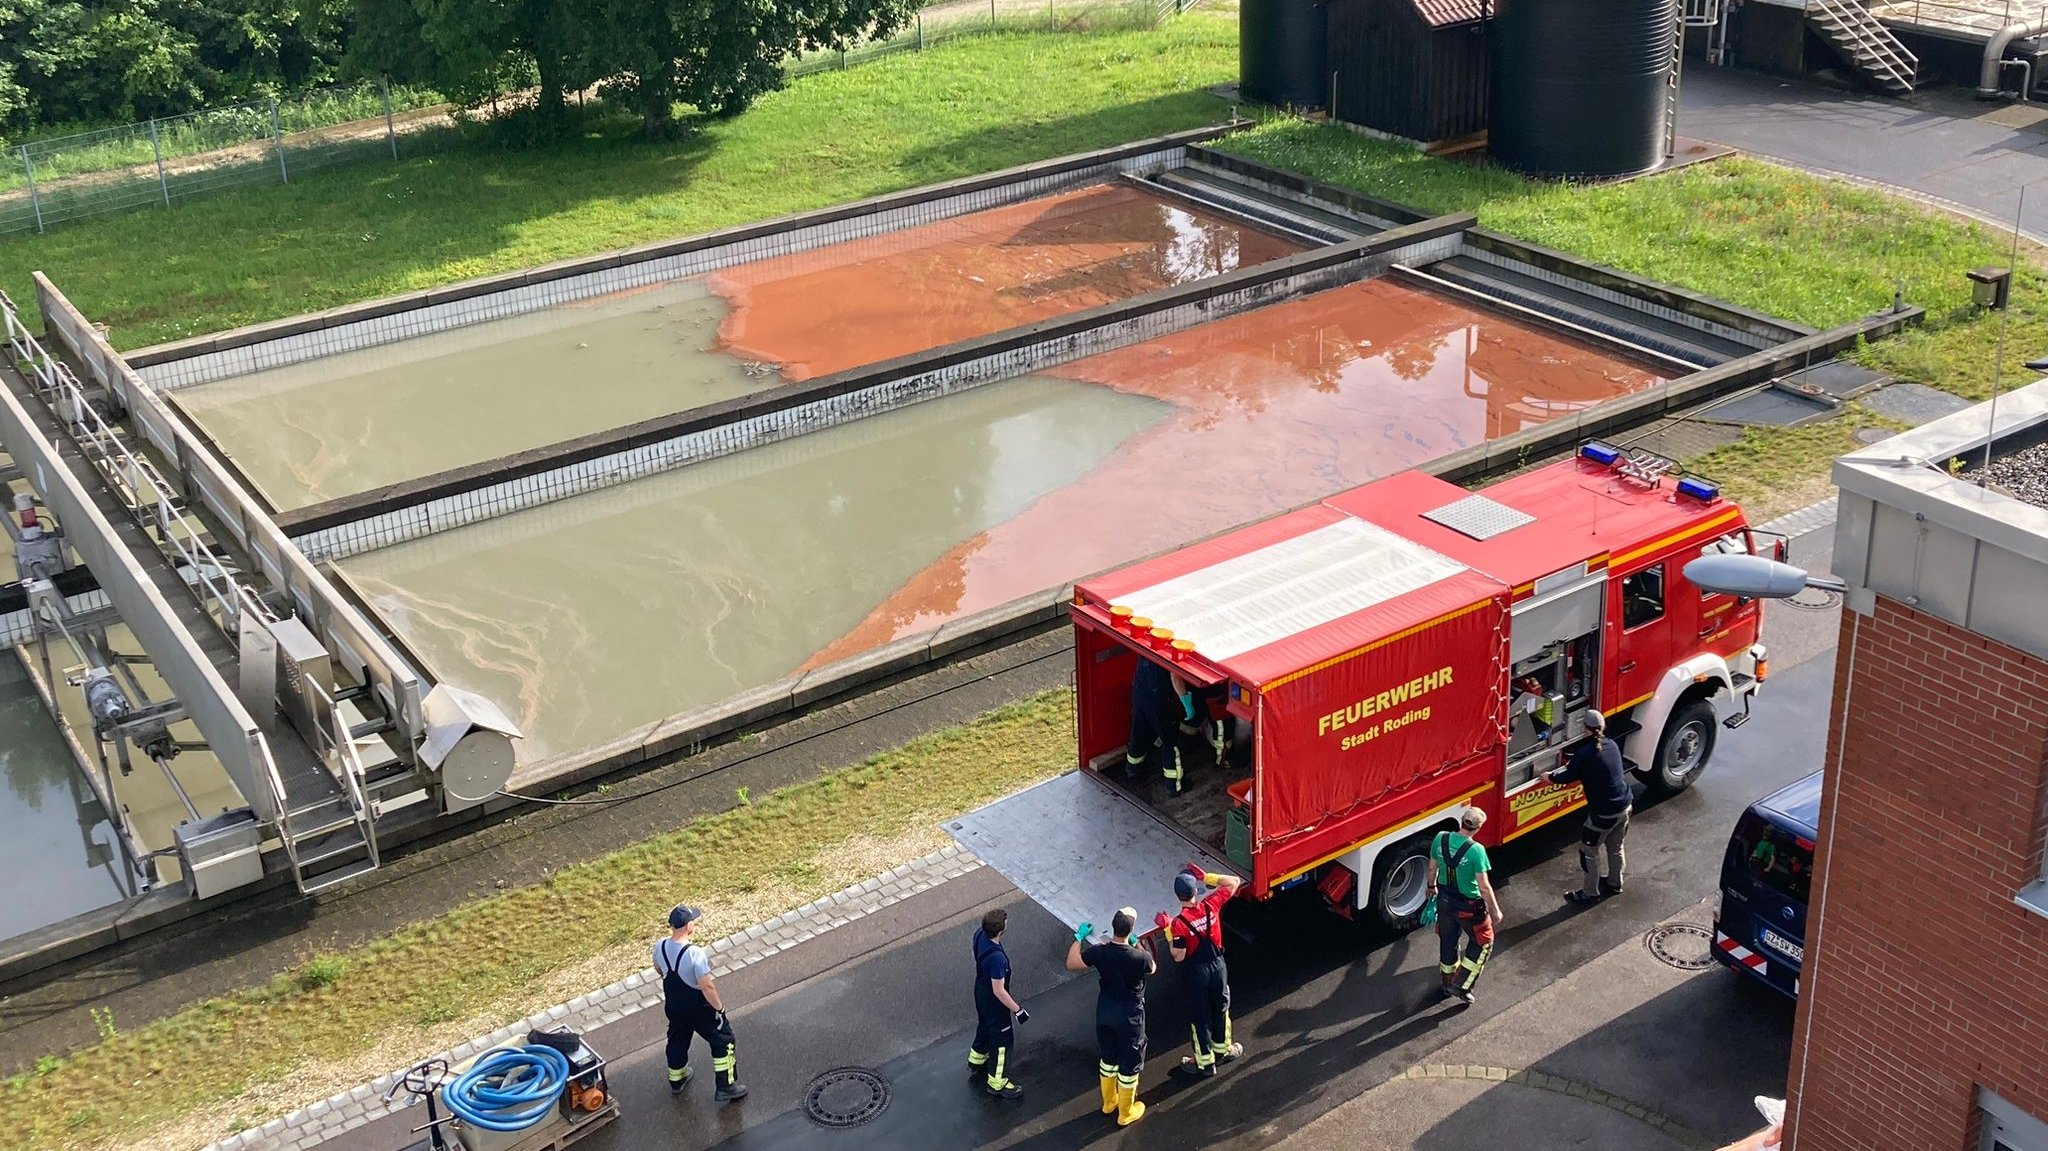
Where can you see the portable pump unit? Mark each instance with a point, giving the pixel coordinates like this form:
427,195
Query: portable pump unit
539,1096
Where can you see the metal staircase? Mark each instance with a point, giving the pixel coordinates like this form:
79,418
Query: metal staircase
329,838
1866,45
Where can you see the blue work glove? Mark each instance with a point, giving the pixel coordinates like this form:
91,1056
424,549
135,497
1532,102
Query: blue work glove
1082,932
1187,705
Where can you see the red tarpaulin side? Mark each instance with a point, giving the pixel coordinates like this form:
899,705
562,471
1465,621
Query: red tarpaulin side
1400,707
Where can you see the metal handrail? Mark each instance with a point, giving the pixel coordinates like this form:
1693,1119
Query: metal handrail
55,384
1890,46
122,468
284,815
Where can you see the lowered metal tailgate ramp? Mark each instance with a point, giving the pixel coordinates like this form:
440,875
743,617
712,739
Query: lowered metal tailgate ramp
1082,849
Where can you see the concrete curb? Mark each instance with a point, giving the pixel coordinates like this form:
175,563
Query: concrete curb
1813,517
319,1122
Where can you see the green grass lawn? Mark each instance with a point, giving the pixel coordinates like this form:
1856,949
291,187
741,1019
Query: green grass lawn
1799,247
967,106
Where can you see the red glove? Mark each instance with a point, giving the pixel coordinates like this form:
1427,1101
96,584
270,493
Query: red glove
1196,870
1162,922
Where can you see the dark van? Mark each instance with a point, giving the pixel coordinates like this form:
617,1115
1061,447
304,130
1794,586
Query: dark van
1760,912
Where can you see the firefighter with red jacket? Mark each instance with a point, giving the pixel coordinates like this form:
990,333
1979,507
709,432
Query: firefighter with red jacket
1195,938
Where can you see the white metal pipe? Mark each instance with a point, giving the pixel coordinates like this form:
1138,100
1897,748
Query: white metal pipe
1994,51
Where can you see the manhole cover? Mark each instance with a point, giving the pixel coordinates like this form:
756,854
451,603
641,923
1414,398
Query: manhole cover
1814,599
846,1097
1686,946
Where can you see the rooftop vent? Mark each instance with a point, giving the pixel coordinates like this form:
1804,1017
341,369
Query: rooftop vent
1479,517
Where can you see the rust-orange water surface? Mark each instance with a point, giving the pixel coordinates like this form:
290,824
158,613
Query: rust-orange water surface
1274,409
865,301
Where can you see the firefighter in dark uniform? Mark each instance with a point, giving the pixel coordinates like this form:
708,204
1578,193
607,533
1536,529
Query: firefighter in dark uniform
690,1000
996,1012
1195,938
1119,1011
1160,707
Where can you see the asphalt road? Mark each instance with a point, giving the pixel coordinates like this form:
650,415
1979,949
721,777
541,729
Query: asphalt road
1326,1009
1938,144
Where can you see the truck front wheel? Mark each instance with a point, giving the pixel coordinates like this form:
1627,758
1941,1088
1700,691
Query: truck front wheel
1400,885
1684,748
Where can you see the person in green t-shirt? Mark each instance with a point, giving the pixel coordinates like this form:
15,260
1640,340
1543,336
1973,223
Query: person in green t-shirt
1465,904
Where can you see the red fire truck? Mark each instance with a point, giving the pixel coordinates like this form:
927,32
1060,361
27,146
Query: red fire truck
1365,653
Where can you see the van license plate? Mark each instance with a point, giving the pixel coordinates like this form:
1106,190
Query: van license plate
1783,946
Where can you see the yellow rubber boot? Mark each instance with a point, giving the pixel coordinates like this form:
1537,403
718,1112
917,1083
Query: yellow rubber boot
1108,1094
1128,1109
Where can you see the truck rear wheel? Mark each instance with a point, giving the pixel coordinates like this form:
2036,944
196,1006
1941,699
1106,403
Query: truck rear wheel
1684,748
1400,885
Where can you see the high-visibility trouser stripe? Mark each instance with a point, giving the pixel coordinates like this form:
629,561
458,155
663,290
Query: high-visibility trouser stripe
1172,768
1472,966
727,1061
678,1075
1446,968
1108,1070
1203,1056
1133,758
1226,1031
977,1058
996,1080
1127,1082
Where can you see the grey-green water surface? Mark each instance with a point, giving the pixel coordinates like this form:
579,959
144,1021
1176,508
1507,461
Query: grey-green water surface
587,618
357,420
56,847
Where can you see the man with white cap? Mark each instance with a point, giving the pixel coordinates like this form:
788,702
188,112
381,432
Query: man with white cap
1119,1010
1609,801
690,1000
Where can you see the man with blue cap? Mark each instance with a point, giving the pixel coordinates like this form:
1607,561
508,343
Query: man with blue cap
1195,938
690,1000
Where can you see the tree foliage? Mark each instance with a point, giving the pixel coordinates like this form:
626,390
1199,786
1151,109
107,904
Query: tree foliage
109,61
720,55
716,55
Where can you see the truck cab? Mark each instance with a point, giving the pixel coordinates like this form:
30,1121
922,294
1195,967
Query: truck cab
1347,679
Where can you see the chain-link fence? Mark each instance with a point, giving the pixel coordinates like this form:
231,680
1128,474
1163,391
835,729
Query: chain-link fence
158,163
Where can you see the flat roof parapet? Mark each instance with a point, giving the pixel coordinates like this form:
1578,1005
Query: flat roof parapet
1917,526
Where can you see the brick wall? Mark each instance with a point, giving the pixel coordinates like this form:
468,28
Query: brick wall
1924,979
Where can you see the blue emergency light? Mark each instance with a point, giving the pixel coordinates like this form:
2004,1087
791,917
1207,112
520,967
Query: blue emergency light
1699,489
1599,453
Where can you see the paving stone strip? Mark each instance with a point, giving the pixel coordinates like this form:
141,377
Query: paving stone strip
1792,525
1539,1081
316,1124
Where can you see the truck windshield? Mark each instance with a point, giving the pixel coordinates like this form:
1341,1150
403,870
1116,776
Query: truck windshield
1773,857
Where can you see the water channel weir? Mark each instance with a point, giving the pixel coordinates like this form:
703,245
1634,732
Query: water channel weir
633,504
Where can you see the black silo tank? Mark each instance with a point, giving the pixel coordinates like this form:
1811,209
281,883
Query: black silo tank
1280,52
1579,85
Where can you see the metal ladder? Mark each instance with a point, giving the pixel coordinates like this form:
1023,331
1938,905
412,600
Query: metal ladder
1691,14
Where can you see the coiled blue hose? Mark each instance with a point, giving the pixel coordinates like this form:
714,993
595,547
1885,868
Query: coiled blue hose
509,1090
